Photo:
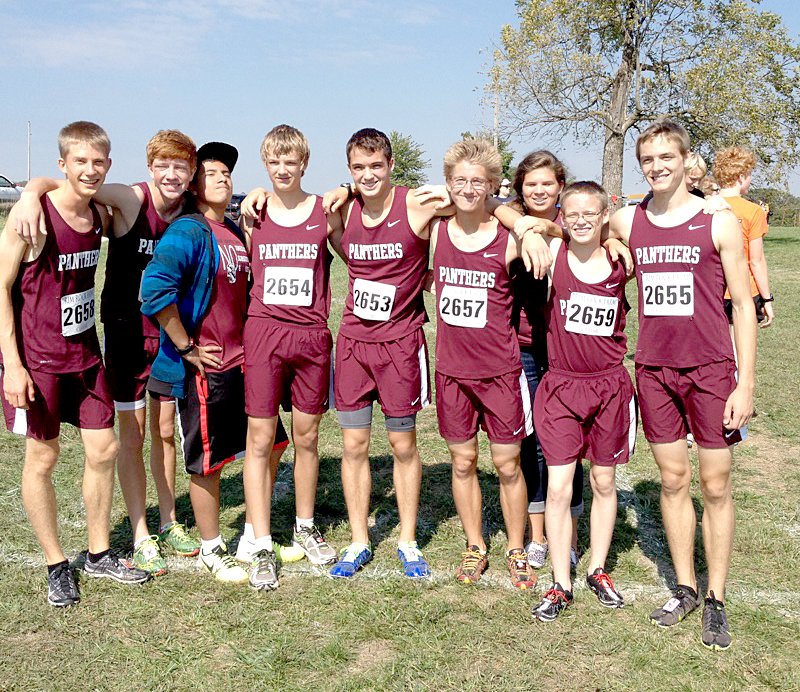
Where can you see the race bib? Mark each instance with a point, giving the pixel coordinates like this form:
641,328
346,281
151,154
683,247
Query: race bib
373,300
461,306
668,293
77,312
591,314
288,286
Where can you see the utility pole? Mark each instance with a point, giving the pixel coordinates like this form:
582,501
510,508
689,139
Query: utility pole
496,117
29,150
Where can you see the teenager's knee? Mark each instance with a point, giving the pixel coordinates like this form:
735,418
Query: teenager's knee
405,451
102,453
603,483
306,440
40,459
464,464
716,489
508,469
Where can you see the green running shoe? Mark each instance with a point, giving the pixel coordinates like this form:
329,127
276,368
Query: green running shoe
147,556
176,537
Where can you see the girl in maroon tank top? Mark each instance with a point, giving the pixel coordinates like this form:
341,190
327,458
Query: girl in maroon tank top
474,336
55,311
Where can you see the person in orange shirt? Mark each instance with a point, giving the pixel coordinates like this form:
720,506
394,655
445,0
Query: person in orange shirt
733,169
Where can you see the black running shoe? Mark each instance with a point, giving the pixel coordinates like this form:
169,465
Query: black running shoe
716,634
676,608
62,592
112,566
599,582
554,601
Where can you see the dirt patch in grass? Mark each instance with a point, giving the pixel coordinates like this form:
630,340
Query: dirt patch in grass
771,464
372,654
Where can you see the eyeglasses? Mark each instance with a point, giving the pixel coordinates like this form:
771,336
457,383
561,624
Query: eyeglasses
589,216
478,184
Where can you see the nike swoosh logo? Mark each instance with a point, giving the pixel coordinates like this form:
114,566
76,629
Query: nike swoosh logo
413,403
311,228
618,453
393,223
517,431
612,285
694,228
97,230
731,432
488,254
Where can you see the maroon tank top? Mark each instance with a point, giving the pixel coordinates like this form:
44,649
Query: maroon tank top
127,258
530,297
474,336
682,320
54,298
586,322
291,270
387,266
223,324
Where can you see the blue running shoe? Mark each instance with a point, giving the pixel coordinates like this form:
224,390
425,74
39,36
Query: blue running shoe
353,558
414,565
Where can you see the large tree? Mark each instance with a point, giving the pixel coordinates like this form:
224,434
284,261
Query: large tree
584,68
409,164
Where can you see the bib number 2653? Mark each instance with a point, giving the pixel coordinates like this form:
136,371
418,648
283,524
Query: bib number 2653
373,300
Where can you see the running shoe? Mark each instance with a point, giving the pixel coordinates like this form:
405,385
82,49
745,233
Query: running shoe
264,571
175,536
716,633
62,591
599,582
246,552
147,556
314,546
223,565
352,559
474,562
537,554
414,565
112,566
554,602
683,602
521,575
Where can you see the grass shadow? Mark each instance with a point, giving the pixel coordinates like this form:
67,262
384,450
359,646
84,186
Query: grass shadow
650,536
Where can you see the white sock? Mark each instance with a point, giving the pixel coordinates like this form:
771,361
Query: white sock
358,547
208,546
405,546
303,523
136,544
247,534
263,543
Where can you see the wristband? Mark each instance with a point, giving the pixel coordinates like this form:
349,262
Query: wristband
771,299
185,351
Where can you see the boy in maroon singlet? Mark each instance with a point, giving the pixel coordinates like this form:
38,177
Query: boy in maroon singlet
585,405
141,213
287,347
685,372
196,287
479,378
52,369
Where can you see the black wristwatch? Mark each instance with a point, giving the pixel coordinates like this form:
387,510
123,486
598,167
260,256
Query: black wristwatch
350,190
771,299
185,351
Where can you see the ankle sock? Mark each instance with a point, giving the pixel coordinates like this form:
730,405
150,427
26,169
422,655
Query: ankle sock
54,567
95,557
208,546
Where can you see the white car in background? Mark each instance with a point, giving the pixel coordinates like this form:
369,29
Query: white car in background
8,191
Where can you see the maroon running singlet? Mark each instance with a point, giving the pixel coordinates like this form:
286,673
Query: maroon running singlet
387,266
127,258
223,324
586,322
682,319
54,298
474,336
291,275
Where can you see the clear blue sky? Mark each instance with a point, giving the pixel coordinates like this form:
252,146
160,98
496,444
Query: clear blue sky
232,69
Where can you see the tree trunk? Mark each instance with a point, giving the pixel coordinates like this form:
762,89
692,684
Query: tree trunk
613,157
614,147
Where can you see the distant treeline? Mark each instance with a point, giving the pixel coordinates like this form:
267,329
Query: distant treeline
784,207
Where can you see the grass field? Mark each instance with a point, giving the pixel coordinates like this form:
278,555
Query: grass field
379,631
